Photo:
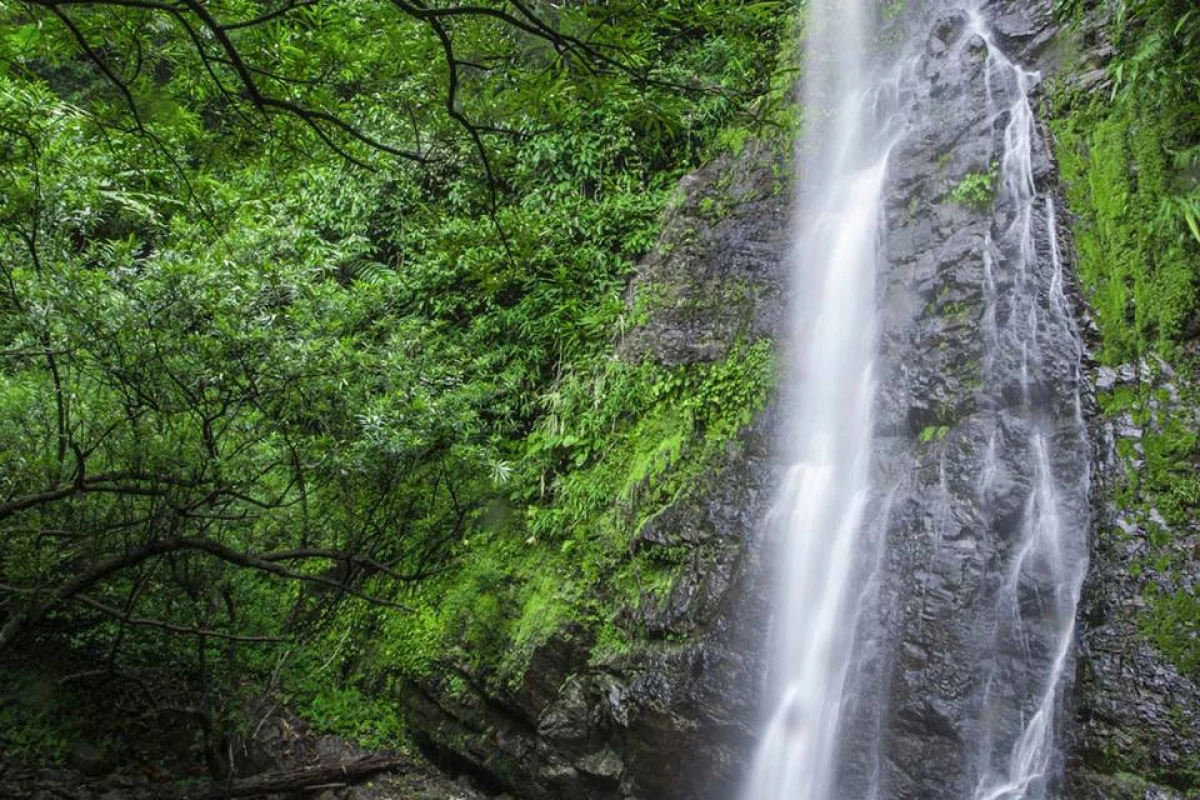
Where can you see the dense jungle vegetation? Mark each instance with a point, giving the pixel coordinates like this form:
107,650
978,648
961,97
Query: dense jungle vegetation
307,312
307,321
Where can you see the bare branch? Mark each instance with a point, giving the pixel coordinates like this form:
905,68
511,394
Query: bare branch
84,581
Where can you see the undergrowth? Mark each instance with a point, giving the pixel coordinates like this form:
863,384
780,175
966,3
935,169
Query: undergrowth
635,438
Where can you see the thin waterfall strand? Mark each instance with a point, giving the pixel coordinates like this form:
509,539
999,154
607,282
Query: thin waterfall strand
1048,562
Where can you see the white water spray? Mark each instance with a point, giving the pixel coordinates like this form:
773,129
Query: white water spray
821,504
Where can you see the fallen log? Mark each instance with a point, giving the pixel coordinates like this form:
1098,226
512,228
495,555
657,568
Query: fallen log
318,776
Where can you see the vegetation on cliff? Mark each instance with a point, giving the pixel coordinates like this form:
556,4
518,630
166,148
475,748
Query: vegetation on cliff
1129,152
309,313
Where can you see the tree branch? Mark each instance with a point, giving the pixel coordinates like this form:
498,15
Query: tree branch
144,622
262,562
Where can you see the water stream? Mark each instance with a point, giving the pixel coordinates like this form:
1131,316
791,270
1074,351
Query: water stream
824,494
831,516
1034,623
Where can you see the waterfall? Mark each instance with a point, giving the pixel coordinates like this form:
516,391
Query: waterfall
1040,586
824,494
831,524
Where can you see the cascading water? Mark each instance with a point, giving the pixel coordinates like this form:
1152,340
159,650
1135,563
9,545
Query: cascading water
1016,529
1036,600
825,492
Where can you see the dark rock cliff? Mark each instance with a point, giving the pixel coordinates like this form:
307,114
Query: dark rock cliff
1132,726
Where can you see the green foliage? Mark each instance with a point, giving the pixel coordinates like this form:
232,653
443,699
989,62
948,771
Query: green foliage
976,190
618,446
1131,161
276,351
894,9
1170,621
662,410
37,718
775,117
1138,263
934,433
1163,492
371,720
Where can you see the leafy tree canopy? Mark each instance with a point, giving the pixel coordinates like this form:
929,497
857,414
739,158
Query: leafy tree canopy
290,293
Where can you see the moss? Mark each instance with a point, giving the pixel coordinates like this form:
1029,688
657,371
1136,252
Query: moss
649,297
957,313
1170,610
934,433
1123,159
1139,271
712,209
1162,492
914,205
547,608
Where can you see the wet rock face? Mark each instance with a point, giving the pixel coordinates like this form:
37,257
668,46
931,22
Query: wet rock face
716,276
1131,722
672,718
939,639
1137,732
